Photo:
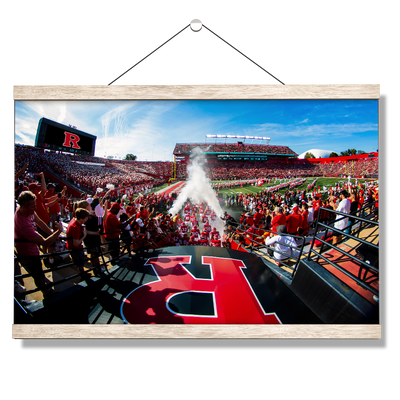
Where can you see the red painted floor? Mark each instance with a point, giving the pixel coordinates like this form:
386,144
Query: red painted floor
351,266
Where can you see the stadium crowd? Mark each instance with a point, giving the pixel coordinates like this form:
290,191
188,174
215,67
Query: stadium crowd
361,167
104,218
88,172
183,148
267,169
143,223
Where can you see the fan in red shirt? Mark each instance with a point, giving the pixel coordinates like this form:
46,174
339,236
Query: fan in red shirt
249,219
76,233
112,229
257,217
54,207
76,230
293,221
40,205
278,219
316,208
142,213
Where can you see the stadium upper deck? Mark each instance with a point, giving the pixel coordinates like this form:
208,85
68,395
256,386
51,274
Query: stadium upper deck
186,148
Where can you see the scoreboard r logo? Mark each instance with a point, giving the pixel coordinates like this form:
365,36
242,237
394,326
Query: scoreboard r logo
71,140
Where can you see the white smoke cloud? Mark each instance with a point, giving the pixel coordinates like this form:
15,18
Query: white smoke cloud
198,189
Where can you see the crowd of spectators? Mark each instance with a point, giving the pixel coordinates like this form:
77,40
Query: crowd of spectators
143,222
359,167
234,170
102,220
186,148
89,173
293,212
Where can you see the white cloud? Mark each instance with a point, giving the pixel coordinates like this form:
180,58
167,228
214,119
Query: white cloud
63,112
284,131
143,137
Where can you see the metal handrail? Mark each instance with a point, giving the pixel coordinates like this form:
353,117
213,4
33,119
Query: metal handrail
330,227
58,268
242,233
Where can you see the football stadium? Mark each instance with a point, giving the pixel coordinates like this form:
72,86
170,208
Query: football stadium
233,230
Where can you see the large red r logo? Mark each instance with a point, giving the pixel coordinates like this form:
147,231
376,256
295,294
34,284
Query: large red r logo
177,296
71,140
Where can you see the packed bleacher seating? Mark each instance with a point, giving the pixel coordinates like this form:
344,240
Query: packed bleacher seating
120,173
184,148
89,177
360,167
233,170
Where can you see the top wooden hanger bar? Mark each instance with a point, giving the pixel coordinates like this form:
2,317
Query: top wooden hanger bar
197,92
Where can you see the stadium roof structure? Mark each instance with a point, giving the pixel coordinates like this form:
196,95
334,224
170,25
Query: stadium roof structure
318,153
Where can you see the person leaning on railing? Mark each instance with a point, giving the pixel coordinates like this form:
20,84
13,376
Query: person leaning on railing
27,238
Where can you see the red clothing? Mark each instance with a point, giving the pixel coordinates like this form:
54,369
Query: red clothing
250,221
195,232
316,209
304,218
129,210
215,243
278,220
74,231
142,214
184,229
203,241
25,228
55,208
293,222
110,225
41,210
257,218
215,235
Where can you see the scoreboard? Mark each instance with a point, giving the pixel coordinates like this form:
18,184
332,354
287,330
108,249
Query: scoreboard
54,136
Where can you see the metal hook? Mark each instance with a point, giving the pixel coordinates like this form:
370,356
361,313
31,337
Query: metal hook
196,25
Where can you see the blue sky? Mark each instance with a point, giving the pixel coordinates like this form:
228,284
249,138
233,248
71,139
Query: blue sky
150,129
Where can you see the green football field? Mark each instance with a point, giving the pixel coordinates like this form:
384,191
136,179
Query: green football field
328,182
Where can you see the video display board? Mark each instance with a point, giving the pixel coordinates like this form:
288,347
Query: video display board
54,136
